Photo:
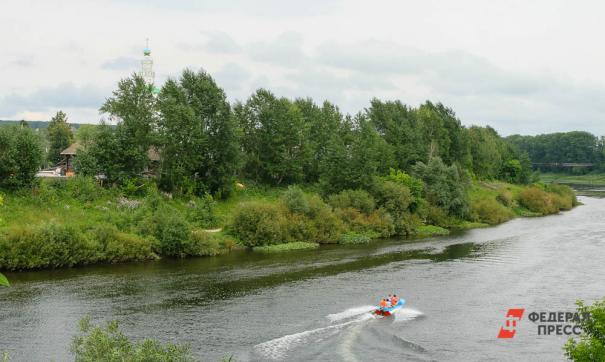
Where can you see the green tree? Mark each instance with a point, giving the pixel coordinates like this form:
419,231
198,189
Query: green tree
109,344
86,134
198,135
445,186
20,156
122,152
591,346
59,137
273,139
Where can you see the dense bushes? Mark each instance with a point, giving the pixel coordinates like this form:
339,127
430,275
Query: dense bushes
491,212
45,246
258,223
20,156
538,200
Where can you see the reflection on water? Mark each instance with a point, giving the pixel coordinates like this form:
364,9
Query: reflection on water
259,306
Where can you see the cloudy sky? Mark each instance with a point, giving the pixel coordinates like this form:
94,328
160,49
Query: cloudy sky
521,66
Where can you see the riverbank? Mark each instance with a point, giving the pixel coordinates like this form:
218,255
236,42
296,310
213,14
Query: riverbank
590,179
75,222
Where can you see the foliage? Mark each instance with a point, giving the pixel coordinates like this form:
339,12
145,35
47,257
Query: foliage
591,346
415,185
490,211
446,186
109,344
431,230
356,199
198,136
296,245
506,198
20,156
295,200
538,200
3,281
354,238
46,246
121,152
59,137
170,230
259,224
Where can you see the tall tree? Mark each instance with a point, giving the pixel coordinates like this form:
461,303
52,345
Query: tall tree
20,156
60,137
198,135
273,141
133,106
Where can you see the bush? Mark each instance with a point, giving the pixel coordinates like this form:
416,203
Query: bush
118,246
357,199
108,344
20,156
83,188
591,346
257,224
46,246
201,211
491,212
567,198
395,198
203,243
295,200
537,200
505,197
170,230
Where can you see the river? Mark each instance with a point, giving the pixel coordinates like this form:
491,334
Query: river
313,305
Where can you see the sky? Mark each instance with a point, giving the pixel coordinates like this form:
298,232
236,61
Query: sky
526,67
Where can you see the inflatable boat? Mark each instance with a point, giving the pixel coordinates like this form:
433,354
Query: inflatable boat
387,311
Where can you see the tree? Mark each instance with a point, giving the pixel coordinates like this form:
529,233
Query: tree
198,135
273,139
445,186
59,137
20,156
122,152
591,346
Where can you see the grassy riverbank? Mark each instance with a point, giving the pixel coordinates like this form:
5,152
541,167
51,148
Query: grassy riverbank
587,179
75,222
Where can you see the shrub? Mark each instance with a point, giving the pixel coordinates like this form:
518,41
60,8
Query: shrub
170,230
257,224
83,188
118,246
505,197
46,246
201,211
108,344
325,224
295,200
415,185
567,197
591,345
537,200
490,211
357,199
395,198
202,243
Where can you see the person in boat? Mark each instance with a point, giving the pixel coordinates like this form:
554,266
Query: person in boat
394,300
383,303
389,300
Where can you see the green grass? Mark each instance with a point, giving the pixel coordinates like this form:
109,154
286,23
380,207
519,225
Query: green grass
588,179
465,225
431,230
356,238
298,245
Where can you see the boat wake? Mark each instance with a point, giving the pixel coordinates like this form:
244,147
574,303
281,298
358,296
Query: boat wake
407,314
350,313
277,349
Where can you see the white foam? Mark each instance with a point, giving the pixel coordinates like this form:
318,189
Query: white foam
349,313
407,314
277,348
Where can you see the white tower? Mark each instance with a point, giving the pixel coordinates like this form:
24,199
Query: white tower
147,66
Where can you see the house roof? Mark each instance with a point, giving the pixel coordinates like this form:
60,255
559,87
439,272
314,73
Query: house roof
152,153
71,150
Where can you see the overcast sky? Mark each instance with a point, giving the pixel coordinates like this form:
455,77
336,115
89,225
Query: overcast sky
521,66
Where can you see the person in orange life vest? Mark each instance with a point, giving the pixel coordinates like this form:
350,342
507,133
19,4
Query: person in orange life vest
394,300
383,303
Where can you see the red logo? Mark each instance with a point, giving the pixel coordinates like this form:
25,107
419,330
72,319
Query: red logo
510,326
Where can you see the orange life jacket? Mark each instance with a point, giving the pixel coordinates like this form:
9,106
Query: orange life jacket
383,303
394,301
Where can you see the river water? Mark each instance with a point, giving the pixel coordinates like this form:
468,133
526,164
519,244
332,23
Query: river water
313,305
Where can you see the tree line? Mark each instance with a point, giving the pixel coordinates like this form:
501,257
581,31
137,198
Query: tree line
205,142
562,147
